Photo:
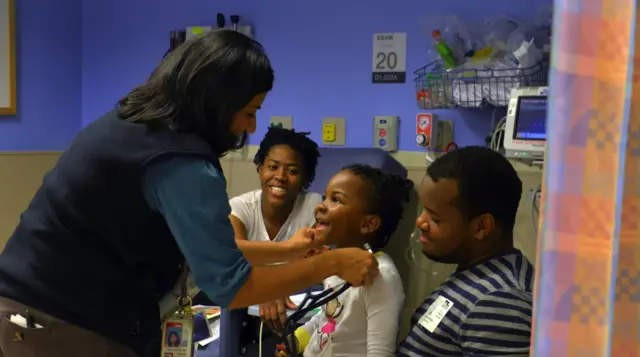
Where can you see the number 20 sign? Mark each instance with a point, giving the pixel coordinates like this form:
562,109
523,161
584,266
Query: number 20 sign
389,58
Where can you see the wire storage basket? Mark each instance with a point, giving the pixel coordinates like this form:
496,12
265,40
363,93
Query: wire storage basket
471,88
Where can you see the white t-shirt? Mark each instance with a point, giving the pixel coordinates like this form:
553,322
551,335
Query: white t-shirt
368,323
248,210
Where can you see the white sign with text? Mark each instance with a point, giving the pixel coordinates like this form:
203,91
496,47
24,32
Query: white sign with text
389,57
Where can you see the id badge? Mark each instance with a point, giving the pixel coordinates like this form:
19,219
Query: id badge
177,336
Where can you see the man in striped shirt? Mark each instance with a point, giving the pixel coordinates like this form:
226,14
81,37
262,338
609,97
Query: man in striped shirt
470,198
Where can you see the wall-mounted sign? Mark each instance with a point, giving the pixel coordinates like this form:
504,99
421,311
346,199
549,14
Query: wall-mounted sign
389,58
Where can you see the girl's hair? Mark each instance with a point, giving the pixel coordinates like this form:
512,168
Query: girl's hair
386,198
199,87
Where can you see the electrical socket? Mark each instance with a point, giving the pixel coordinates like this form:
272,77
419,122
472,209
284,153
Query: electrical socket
194,31
283,122
340,131
328,133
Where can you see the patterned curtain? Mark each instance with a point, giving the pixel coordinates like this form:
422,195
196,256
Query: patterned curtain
587,295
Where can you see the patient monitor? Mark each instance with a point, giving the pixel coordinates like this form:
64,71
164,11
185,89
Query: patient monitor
525,131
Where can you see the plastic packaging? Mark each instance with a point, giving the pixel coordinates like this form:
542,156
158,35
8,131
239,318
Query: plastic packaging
480,62
444,50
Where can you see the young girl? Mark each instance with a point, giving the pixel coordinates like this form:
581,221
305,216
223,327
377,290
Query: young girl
361,205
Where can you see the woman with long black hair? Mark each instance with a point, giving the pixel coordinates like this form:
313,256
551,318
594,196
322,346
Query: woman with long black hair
137,197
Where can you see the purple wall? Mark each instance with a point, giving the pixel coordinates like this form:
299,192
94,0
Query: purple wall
321,52
49,77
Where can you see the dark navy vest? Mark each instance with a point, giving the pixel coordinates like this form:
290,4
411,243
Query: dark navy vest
88,249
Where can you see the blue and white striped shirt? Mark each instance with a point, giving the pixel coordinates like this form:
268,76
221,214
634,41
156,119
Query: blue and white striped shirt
484,310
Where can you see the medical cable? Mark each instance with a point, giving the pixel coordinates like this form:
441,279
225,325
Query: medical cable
498,135
221,20
234,21
535,208
260,339
410,254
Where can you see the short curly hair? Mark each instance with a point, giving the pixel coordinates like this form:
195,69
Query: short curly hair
487,183
299,142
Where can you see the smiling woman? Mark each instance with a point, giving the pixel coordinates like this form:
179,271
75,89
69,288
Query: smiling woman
286,164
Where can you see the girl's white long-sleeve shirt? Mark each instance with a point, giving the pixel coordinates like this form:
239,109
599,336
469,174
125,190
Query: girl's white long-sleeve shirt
365,320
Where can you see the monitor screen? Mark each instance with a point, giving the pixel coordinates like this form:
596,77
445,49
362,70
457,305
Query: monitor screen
531,118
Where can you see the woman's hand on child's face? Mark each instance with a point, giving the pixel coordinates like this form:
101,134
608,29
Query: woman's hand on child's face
301,242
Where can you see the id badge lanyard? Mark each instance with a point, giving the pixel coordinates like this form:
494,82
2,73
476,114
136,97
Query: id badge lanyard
177,328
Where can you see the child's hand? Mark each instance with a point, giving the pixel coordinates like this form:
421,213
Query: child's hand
281,348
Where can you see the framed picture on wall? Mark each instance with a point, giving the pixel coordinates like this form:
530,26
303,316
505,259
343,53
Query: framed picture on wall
8,100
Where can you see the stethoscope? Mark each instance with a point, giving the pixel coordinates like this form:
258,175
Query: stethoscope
311,302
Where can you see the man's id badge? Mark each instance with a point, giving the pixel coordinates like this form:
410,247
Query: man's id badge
435,313
177,336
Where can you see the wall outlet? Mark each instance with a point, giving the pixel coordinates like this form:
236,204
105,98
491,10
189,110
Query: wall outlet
282,122
194,31
334,129
328,133
385,132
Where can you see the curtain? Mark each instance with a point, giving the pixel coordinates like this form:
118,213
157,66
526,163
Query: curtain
587,291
